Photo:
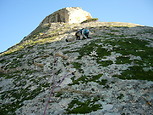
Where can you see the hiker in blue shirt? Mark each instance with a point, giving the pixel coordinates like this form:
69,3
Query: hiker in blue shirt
82,34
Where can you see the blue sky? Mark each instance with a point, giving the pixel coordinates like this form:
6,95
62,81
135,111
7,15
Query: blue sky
20,17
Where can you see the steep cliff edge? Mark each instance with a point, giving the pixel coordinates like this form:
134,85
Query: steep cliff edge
112,73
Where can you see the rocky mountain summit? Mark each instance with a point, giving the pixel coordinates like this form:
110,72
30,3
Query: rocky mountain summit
109,74
68,15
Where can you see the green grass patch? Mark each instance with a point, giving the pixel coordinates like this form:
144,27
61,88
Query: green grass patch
120,96
88,48
105,63
123,60
103,82
77,66
58,94
132,46
136,72
86,79
78,107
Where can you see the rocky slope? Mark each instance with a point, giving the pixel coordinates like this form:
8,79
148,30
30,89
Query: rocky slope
110,74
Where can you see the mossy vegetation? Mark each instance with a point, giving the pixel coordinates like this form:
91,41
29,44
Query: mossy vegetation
104,63
136,72
15,63
120,96
123,60
103,82
88,48
82,107
86,79
58,94
129,46
77,66
3,61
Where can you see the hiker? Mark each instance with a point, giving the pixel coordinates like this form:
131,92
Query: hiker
82,34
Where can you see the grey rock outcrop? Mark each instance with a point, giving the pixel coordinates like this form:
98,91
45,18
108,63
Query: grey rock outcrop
68,15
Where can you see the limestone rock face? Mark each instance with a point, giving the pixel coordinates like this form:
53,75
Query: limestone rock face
68,15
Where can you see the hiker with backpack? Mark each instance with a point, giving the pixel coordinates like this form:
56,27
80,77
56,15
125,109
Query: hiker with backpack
80,35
